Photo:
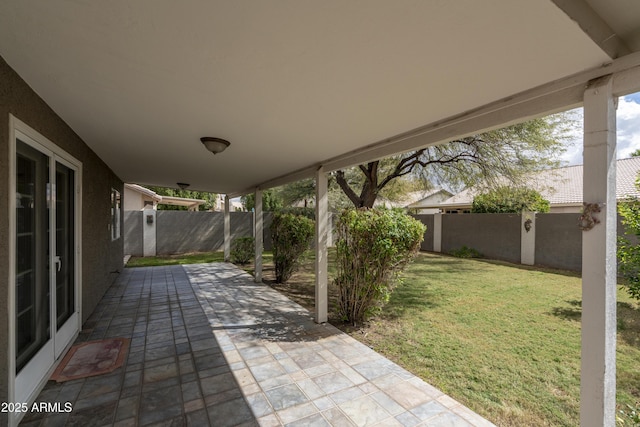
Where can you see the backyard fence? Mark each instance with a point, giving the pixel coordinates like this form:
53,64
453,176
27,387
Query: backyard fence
150,232
551,239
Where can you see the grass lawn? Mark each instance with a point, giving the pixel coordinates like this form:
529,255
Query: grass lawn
188,258
502,339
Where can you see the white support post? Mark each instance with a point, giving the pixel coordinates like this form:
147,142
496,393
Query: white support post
322,235
437,232
258,226
528,238
149,241
227,230
598,360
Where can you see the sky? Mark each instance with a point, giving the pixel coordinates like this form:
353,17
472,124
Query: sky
628,123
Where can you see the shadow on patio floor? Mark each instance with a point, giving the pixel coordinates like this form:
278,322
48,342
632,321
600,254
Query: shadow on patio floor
210,347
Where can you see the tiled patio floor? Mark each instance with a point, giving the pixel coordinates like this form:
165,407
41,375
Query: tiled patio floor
211,347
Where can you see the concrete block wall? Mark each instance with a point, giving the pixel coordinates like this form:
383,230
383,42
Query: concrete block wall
496,236
182,231
553,240
558,241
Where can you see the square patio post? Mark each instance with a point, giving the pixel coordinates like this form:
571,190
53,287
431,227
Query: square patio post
227,230
322,232
258,225
598,359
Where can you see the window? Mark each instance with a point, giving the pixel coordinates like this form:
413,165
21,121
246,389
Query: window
115,214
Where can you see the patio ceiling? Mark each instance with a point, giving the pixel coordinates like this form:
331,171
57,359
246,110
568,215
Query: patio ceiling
291,84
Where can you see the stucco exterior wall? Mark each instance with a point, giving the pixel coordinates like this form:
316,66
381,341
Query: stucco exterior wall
496,236
132,200
132,232
101,257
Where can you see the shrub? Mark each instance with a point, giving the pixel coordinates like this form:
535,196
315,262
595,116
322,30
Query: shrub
296,210
243,250
510,200
628,251
465,252
291,235
373,247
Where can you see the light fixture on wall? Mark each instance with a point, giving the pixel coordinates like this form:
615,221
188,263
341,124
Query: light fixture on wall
215,145
182,185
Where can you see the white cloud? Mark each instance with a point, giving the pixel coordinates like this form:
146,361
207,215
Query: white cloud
573,155
628,118
628,134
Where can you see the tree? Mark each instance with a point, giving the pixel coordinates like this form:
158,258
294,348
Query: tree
300,191
210,199
636,153
491,157
628,248
507,199
270,201
305,190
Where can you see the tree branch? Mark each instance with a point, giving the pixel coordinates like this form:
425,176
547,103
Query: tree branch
344,185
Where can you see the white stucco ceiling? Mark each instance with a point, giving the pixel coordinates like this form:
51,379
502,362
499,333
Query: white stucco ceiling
290,83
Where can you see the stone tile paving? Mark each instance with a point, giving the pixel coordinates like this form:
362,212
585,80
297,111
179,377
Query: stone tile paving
211,347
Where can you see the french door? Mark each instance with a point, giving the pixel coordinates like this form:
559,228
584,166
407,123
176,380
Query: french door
46,305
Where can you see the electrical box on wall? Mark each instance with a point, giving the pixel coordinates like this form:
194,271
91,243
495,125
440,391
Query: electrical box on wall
149,219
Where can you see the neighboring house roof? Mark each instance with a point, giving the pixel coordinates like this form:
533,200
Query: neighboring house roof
144,191
410,199
429,198
166,200
563,186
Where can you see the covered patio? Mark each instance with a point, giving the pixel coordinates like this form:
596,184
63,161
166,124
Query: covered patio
209,346
100,93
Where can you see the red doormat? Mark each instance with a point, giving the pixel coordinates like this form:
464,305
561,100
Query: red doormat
92,358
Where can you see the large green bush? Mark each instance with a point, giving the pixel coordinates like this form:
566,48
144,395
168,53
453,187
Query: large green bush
243,250
629,251
510,200
291,235
373,247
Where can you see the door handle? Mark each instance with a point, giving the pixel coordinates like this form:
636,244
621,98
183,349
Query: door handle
58,262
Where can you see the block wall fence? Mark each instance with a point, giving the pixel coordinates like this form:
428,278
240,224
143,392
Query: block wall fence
550,240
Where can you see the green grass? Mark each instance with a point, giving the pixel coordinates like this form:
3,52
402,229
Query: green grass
500,338
189,258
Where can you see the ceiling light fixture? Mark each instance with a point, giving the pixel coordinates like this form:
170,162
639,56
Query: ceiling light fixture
182,185
215,145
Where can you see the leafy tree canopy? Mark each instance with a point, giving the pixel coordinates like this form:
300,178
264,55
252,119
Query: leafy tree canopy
271,201
628,248
303,192
507,199
487,158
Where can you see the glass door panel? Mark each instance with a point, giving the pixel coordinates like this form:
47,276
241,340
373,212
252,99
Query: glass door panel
65,238
32,253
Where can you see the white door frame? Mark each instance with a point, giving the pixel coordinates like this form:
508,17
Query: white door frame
24,387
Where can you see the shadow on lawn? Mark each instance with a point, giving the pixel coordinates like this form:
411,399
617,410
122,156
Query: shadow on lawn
574,312
629,323
628,319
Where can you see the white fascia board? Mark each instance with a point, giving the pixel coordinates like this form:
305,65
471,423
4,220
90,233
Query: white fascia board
140,189
181,201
